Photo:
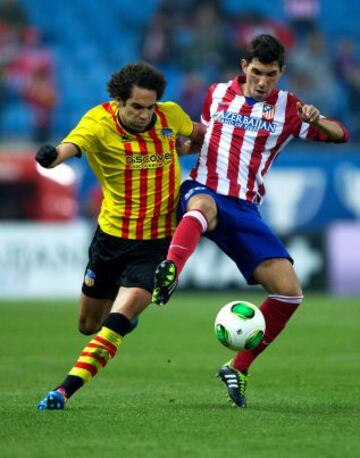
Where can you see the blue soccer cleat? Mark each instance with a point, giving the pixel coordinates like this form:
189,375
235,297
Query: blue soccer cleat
55,400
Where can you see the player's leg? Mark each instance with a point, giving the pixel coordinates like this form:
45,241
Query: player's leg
128,304
92,314
279,279
199,215
261,258
100,285
136,280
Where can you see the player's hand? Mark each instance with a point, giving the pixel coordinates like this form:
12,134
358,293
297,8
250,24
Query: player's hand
46,155
179,145
185,147
308,113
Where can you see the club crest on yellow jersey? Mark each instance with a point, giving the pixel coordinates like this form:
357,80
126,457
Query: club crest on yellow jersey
89,278
167,132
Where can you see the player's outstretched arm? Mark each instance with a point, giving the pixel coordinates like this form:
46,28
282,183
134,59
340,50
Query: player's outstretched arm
49,156
332,129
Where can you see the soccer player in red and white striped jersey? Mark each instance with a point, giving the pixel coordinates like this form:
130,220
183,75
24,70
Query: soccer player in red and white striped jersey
249,121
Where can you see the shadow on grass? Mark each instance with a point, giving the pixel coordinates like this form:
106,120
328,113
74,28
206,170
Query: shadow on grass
170,406
317,409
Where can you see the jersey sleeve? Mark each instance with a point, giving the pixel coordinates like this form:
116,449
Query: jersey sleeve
205,114
306,131
86,134
183,123
309,132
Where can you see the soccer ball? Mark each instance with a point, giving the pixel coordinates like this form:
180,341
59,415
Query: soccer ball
240,325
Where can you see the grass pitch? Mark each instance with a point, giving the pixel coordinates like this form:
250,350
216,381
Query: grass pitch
159,397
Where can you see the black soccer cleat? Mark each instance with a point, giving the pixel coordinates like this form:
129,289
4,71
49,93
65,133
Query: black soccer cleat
235,382
165,282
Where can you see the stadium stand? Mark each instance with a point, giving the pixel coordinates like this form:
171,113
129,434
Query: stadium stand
88,41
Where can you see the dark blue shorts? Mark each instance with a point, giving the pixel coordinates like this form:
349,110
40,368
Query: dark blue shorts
241,232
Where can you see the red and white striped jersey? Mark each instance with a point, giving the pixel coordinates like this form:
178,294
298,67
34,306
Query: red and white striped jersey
243,139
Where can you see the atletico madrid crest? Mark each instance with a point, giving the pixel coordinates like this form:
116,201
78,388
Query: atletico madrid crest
268,112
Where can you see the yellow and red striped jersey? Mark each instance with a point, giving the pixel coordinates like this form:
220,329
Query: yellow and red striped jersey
139,173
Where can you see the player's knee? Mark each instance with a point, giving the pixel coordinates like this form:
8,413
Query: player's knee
294,291
286,288
207,206
86,332
87,328
298,293
279,278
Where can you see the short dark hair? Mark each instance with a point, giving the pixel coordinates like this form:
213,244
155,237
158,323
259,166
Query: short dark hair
139,74
267,49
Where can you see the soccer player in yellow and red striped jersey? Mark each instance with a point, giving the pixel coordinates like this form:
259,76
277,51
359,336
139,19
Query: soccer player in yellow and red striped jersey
130,144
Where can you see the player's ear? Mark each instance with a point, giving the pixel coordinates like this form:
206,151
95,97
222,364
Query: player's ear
282,69
119,101
244,65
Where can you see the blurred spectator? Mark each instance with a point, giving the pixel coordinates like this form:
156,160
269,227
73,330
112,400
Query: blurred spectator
179,19
347,68
312,75
193,45
302,16
9,44
173,9
354,103
156,44
27,74
31,55
192,95
229,73
41,96
208,35
13,14
9,48
179,34
345,61
183,42
185,37
247,26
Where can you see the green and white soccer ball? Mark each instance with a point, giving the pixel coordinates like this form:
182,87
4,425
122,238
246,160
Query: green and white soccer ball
240,325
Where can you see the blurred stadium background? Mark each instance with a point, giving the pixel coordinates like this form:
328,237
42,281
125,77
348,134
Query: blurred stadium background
55,60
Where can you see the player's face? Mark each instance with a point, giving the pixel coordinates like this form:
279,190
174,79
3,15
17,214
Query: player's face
260,78
136,112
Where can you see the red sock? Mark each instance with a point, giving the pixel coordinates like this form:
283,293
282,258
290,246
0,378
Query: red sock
277,311
186,238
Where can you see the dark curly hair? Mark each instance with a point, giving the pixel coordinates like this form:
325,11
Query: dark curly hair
138,74
267,49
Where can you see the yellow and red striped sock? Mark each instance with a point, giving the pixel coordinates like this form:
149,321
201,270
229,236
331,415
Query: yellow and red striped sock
96,354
